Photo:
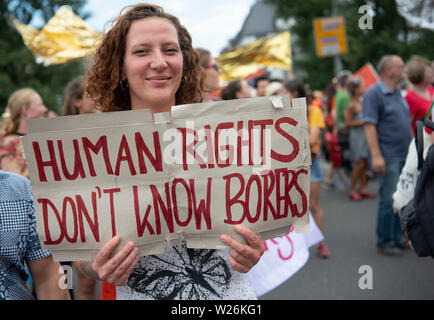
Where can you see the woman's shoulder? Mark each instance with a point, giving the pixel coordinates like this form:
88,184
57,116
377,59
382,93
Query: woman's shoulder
10,138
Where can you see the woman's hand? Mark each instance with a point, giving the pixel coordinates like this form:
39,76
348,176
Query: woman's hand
116,269
243,257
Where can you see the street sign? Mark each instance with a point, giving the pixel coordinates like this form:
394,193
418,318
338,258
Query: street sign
330,39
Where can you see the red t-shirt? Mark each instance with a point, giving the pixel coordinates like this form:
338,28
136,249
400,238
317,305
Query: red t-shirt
418,106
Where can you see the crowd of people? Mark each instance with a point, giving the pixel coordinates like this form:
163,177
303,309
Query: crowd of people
352,131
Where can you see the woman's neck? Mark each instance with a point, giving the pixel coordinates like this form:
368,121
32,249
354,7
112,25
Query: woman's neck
22,126
357,98
155,108
420,88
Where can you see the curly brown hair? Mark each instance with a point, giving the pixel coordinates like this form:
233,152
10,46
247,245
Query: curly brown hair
104,77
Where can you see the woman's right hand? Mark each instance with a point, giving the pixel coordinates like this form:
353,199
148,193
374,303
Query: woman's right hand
116,269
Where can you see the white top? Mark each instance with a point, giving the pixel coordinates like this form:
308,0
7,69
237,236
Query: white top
181,273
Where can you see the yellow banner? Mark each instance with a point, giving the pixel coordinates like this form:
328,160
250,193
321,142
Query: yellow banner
63,38
273,52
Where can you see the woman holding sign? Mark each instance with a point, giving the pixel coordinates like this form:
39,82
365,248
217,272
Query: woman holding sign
147,61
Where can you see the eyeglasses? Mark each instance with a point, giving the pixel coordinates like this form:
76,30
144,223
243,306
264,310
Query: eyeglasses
215,66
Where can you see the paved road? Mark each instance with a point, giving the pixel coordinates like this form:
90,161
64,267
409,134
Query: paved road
350,235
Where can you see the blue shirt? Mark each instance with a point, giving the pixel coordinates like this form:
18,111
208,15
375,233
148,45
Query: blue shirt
391,116
19,240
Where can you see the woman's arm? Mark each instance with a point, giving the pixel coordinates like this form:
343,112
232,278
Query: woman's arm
46,276
314,135
349,115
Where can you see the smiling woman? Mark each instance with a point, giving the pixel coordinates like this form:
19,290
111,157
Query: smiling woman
106,80
153,64
147,61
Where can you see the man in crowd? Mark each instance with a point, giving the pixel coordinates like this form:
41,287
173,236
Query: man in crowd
387,127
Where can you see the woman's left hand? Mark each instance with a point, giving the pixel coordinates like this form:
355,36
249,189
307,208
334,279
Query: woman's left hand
243,257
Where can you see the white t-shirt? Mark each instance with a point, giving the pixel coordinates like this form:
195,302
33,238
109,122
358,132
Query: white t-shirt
181,273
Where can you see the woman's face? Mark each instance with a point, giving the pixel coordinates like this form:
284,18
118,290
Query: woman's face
212,81
36,108
85,105
361,88
153,64
428,76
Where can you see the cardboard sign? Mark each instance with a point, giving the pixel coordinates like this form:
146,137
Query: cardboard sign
191,174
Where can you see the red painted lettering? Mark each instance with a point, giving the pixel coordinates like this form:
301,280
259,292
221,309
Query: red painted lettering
100,144
50,163
294,142
166,210
204,208
78,165
175,203
156,160
112,207
82,210
66,201
141,225
229,148
45,203
124,154
189,148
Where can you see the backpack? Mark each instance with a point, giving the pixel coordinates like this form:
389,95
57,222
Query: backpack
417,217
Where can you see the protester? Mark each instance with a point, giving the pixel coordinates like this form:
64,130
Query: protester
76,101
236,89
20,246
342,100
146,60
297,89
387,128
23,104
419,98
358,146
331,139
261,84
211,82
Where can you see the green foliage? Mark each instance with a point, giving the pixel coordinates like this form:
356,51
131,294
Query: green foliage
18,68
390,35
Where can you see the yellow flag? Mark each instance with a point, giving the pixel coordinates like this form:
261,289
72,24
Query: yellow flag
273,52
63,38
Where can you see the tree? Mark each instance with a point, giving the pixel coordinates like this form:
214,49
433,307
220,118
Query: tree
18,67
390,34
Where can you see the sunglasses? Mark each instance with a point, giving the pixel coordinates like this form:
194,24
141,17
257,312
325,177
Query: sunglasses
215,66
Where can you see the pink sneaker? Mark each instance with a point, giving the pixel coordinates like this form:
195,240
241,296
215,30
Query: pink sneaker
323,251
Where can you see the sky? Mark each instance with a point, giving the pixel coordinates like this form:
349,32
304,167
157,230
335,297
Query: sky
211,23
